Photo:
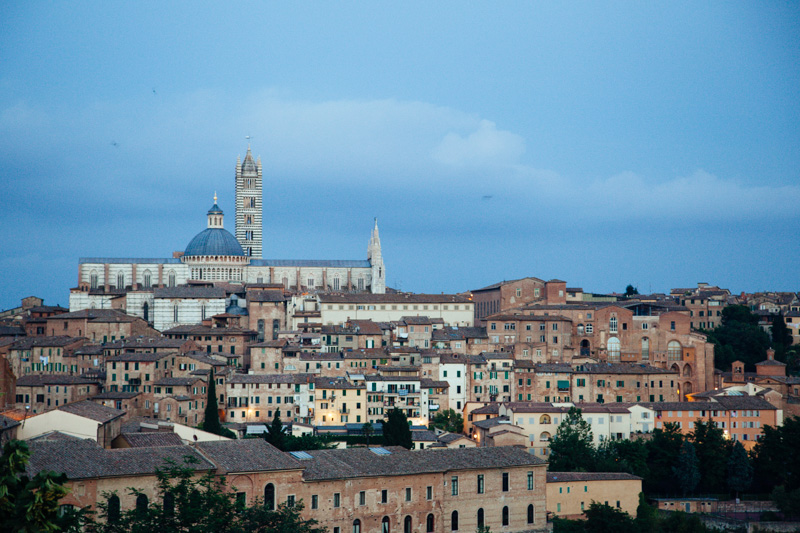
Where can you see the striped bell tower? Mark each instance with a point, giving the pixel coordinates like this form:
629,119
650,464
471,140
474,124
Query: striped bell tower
249,200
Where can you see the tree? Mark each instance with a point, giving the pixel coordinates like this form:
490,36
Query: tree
738,337
211,420
186,502
740,470
622,456
602,518
571,449
31,504
686,470
781,337
448,420
276,433
712,454
396,431
662,454
646,515
775,459
367,429
630,290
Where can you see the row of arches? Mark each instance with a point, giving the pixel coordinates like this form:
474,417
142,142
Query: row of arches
147,279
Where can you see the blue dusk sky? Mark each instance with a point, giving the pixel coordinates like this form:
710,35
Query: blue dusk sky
602,143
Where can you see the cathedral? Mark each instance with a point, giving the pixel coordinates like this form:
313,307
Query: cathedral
215,255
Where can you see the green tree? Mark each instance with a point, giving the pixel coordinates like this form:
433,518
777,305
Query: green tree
686,470
571,448
448,420
307,442
396,431
775,458
738,337
602,518
740,470
211,420
662,454
646,515
712,453
31,504
276,433
630,290
188,503
623,456
367,429
781,337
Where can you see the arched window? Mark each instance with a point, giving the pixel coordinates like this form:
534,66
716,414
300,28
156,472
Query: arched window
356,526
580,329
336,283
175,313
171,279
260,279
261,330
385,525
146,312
93,282
612,324
530,514
203,311
687,371
113,508
407,525
544,419
481,518
141,503
454,521
361,283
147,279
120,280
674,351
276,326
429,524
544,437
645,349
269,497
613,349
505,515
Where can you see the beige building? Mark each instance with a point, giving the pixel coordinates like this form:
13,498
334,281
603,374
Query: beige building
454,310
569,494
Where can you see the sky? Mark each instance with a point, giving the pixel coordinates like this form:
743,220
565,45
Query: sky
601,143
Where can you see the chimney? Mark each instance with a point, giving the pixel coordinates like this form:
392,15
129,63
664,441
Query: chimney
770,354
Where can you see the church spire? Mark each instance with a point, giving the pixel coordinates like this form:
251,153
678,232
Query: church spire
375,257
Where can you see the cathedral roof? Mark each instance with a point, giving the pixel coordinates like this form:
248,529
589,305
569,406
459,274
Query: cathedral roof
215,210
214,241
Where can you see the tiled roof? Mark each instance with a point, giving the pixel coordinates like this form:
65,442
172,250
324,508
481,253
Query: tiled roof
269,378
154,438
139,357
620,368
423,436
38,380
335,383
567,477
93,411
115,395
489,409
458,333
537,318
96,315
366,327
33,342
85,459
535,407
427,383
177,382
450,437
416,320
362,462
492,422
744,402
144,342
248,455
266,296
207,330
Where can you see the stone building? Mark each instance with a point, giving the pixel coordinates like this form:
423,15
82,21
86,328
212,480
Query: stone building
569,494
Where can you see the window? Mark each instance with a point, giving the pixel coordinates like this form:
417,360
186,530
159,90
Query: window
613,349
384,496
454,521
269,497
407,525
385,524
314,501
505,481
454,485
481,487
113,508
645,349
612,325
481,518
337,499
429,493
429,524
362,498
530,480
356,526
530,514
141,503
505,515
290,500
408,494
674,351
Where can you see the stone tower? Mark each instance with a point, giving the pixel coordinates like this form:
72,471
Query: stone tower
249,200
375,259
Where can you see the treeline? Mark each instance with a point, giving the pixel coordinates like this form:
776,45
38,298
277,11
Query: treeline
601,518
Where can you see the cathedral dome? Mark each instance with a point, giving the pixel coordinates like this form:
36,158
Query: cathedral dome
214,241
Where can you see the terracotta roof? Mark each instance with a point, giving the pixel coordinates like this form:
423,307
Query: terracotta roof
93,411
151,439
83,459
38,380
177,382
362,462
30,342
248,455
567,477
139,357
266,296
269,378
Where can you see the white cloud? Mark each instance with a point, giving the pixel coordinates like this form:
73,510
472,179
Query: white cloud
484,146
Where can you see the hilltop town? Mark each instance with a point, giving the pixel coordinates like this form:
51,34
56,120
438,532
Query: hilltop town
107,389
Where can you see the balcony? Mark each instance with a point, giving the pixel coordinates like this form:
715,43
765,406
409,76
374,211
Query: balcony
433,407
344,411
